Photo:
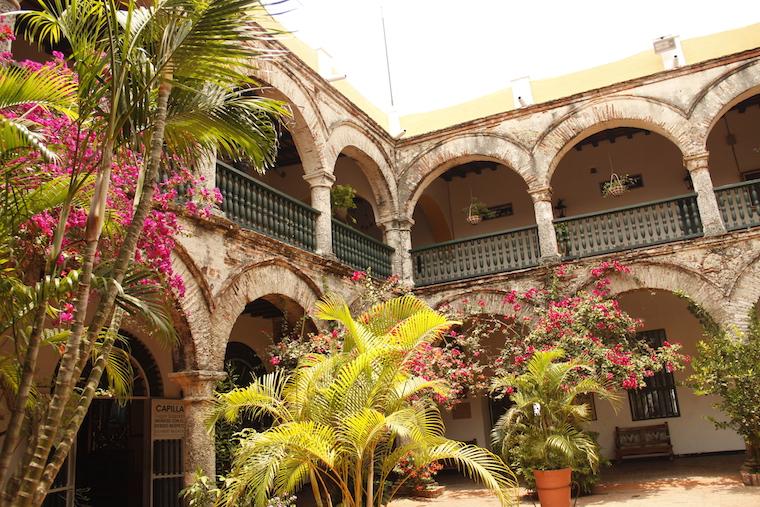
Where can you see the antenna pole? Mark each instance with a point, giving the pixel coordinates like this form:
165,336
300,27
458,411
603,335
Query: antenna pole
387,58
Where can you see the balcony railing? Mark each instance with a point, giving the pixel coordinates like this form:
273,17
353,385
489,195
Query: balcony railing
263,209
361,251
739,204
630,227
476,256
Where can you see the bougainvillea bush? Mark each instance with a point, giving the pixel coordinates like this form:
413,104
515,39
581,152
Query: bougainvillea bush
75,150
588,324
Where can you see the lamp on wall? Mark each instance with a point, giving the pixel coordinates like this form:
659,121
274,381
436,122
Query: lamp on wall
560,207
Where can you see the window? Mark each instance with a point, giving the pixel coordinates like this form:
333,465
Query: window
658,399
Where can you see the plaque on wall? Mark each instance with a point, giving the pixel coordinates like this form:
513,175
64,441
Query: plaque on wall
167,419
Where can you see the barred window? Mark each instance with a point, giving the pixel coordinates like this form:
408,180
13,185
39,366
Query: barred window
658,399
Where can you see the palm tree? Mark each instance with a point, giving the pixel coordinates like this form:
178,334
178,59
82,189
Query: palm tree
166,79
21,86
542,429
343,421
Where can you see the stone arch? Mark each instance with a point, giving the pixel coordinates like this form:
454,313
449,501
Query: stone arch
307,126
745,292
721,95
621,111
272,277
492,301
441,157
347,137
193,313
670,278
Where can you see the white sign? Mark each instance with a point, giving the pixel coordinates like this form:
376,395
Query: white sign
167,419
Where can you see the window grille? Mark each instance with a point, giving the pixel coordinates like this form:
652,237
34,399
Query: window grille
658,398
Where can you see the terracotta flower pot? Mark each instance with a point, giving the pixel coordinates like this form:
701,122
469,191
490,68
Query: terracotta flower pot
341,214
553,487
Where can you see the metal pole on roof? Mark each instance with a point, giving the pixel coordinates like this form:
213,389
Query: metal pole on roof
387,58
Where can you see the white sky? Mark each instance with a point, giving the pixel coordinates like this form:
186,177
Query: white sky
443,52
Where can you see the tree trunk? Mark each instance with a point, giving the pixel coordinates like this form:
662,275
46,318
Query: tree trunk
29,366
33,476
62,390
72,427
371,480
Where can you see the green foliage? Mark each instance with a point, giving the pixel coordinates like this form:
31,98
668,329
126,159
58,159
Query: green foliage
343,197
44,88
727,365
542,429
202,492
476,208
343,421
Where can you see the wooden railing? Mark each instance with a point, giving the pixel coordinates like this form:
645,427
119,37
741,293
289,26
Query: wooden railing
261,208
630,227
739,204
476,256
361,251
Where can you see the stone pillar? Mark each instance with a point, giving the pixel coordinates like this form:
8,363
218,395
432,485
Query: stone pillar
198,395
10,21
712,222
398,234
547,237
321,183
207,171
207,168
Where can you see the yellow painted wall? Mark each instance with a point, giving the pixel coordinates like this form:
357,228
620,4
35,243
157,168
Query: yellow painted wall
645,63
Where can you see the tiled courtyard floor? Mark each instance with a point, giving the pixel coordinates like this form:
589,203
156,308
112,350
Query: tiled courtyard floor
710,481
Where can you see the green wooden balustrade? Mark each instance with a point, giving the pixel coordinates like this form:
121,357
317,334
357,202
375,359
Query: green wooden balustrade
261,208
629,227
739,204
476,256
361,251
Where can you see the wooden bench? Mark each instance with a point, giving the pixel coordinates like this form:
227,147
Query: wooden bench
652,440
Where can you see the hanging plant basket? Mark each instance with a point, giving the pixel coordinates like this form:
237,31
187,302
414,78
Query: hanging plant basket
474,219
617,186
475,211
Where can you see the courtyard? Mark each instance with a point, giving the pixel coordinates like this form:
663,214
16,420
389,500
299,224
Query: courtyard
702,481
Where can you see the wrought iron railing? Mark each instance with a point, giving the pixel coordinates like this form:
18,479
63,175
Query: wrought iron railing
476,256
739,204
629,227
361,251
261,208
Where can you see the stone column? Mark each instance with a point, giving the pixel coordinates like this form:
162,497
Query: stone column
712,222
547,237
398,234
197,393
321,183
207,170
10,21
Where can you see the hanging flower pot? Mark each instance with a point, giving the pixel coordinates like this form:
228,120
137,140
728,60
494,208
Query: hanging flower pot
476,211
617,186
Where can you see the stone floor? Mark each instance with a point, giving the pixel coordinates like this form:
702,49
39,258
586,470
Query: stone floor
705,481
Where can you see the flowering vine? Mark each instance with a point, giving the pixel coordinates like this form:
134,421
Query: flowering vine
179,192
588,324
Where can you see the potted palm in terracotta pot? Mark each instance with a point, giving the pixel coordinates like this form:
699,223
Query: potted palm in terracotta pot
541,435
